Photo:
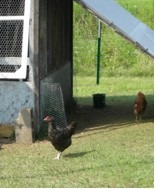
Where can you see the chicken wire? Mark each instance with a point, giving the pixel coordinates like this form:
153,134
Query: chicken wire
12,7
11,34
52,103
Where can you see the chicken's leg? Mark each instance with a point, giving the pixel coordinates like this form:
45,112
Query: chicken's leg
136,118
58,155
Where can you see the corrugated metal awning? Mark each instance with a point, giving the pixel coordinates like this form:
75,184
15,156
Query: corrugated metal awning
124,23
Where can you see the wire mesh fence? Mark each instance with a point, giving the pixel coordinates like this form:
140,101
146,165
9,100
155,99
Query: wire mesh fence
12,7
11,34
52,103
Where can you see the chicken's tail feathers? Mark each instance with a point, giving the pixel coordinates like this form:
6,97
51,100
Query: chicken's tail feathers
72,127
74,124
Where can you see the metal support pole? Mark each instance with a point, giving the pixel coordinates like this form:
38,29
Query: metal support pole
98,53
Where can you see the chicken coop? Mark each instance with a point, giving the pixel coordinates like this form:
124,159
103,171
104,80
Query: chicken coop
35,48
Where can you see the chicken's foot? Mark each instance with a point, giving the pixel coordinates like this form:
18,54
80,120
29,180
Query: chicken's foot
58,156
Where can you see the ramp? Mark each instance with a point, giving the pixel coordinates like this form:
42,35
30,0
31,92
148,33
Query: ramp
124,23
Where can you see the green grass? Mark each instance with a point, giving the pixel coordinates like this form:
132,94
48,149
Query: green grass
85,87
109,149
138,8
120,156
117,55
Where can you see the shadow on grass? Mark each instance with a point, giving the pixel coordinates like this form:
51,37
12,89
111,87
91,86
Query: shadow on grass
77,154
117,113
6,140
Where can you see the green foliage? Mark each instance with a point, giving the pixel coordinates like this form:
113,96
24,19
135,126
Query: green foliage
118,57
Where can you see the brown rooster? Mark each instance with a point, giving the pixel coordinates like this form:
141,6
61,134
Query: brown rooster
60,137
140,105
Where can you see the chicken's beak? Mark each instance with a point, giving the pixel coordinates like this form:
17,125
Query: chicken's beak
45,119
48,118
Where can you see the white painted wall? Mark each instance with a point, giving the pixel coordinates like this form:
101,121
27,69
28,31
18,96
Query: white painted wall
14,96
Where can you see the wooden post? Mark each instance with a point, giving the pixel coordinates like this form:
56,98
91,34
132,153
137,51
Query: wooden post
34,61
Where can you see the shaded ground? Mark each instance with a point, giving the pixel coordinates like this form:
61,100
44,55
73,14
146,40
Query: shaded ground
117,113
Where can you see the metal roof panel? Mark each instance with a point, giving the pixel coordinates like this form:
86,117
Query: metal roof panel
123,22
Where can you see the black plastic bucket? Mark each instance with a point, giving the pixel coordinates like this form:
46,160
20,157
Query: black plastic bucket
99,100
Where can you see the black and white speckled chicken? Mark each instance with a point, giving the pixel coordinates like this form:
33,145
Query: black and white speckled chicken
60,137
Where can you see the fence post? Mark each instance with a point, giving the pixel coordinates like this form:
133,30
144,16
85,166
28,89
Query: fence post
98,53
